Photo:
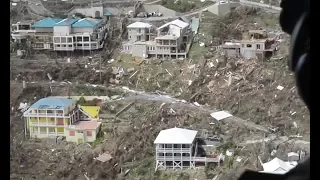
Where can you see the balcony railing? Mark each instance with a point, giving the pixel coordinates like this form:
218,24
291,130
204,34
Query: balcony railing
44,124
50,133
46,114
174,149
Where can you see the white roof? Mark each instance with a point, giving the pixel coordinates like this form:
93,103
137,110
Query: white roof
139,25
176,136
277,165
176,22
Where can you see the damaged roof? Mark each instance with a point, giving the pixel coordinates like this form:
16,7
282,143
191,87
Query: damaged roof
176,136
177,23
87,22
139,25
53,103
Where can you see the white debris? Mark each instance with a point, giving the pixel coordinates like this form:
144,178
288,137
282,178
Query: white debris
68,60
228,153
189,82
280,88
211,65
201,44
110,61
86,66
197,104
202,0
220,115
273,152
295,124
238,159
23,107
293,113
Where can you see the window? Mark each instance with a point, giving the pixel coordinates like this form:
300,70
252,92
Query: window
258,46
57,40
249,45
86,39
72,133
89,133
60,121
79,39
64,45
139,30
70,45
63,39
129,37
51,119
85,44
70,40
58,45
74,39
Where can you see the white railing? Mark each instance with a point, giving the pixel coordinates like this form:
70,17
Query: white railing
44,124
174,149
45,114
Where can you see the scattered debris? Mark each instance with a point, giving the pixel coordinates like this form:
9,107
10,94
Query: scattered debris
229,153
238,159
280,88
104,157
220,115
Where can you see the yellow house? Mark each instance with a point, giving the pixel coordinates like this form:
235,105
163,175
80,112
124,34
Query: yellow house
48,117
53,117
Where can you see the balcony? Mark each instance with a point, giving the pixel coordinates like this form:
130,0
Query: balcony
46,115
44,124
173,150
45,133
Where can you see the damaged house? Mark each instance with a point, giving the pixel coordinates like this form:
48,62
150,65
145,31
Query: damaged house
255,45
61,117
179,148
170,41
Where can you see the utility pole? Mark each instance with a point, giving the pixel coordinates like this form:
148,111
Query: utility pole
100,68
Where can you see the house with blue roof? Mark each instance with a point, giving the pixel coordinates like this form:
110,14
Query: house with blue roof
80,34
69,34
61,117
48,116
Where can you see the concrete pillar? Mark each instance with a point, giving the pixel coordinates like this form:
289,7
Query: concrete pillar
24,84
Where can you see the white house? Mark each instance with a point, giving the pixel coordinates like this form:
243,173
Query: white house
178,148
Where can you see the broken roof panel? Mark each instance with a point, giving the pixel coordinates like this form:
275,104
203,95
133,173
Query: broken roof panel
177,23
87,22
66,22
176,136
220,115
139,25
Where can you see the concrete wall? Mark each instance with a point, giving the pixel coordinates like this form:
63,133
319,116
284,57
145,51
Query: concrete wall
139,50
80,135
134,32
62,30
44,29
158,8
232,52
97,11
82,30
